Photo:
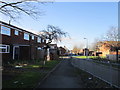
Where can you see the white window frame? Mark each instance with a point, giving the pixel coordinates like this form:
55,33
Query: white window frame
38,39
10,27
43,40
7,29
33,37
25,36
16,32
6,47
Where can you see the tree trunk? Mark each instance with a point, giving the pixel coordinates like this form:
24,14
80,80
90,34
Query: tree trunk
117,54
48,54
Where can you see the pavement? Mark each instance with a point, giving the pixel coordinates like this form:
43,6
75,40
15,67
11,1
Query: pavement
64,76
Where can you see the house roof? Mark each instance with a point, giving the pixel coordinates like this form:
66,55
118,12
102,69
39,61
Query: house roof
109,43
112,45
17,28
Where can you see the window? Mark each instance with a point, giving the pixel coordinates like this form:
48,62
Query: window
38,39
52,47
32,37
4,48
26,36
16,32
43,40
5,30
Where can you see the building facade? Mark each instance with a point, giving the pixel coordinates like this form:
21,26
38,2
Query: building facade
62,51
109,49
19,44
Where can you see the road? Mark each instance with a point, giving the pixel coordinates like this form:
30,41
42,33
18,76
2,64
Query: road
64,76
105,72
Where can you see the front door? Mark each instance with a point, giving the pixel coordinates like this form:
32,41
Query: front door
16,52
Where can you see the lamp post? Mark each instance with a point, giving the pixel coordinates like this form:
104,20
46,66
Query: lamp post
86,51
86,43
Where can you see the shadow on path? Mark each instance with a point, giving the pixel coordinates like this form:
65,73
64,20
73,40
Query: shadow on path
63,77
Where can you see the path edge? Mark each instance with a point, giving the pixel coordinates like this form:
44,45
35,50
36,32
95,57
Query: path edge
47,75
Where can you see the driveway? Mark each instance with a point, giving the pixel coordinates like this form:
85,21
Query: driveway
64,76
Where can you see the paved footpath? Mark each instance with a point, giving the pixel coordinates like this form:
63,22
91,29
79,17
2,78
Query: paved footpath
64,76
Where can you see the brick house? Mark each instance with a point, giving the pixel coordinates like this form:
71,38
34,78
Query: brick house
19,44
107,48
77,51
62,51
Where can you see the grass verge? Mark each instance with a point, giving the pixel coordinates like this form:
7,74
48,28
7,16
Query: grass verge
27,76
28,79
89,81
100,60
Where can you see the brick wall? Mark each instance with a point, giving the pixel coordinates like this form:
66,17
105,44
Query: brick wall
26,52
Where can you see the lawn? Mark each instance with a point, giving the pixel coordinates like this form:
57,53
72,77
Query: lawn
27,79
92,57
27,76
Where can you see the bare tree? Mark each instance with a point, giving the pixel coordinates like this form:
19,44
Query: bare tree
112,34
111,38
14,9
51,34
94,45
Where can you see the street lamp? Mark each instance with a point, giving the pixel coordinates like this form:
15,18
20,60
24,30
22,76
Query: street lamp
86,43
86,51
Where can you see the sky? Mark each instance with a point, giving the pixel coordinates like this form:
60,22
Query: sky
80,19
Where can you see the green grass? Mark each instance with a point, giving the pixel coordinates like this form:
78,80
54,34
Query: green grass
24,80
97,60
29,78
51,63
33,66
84,57
48,64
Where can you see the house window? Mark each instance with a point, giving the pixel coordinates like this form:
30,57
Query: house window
52,47
32,37
43,40
26,36
4,48
5,30
38,39
16,32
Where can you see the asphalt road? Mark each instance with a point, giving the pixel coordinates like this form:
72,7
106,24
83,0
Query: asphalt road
105,72
64,76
